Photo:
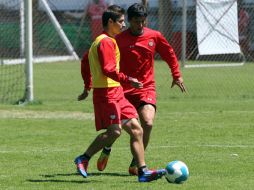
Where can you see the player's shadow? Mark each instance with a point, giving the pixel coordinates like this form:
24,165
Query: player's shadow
89,174
55,175
50,177
60,181
109,174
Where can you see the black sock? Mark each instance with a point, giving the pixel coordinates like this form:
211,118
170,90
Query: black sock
141,170
133,162
86,157
106,150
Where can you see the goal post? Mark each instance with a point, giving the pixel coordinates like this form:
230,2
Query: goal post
29,34
29,95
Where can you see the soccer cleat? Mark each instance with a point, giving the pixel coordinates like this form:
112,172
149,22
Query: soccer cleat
151,175
82,165
133,170
103,159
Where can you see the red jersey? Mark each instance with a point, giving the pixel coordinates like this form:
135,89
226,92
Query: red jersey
95,12
137,57
243,22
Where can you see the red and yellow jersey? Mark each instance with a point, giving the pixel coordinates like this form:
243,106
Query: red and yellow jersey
137,56
100,66
99,80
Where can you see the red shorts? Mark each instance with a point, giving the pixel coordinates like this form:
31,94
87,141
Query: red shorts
144,97
112,111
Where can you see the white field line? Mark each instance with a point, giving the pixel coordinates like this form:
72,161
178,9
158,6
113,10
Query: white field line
21,114
205,145
208,112
127,148
32,151
24,114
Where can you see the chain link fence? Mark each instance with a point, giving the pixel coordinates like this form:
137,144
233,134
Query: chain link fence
80,20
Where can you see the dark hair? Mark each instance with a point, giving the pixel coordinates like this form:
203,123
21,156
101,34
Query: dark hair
136,10
113,12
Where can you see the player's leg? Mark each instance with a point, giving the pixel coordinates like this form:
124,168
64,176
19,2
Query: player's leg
127,111
108,137
146,115
111,114
133,128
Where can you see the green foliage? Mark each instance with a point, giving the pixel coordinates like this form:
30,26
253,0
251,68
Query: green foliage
211,129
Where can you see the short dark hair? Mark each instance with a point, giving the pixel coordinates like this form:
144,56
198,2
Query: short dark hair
113,12
136,10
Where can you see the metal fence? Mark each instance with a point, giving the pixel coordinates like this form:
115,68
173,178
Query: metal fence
169,19
79,21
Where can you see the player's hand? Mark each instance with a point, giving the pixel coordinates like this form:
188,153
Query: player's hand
179,83
135,83
83,96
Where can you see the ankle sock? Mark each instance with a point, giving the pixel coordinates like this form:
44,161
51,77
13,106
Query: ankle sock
106,150
86,157
133,162
141,170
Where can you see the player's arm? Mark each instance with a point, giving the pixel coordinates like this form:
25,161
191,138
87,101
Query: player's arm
107,56
167,53
86,75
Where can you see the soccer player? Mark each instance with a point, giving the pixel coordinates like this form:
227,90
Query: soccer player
137,46
112,111
95,11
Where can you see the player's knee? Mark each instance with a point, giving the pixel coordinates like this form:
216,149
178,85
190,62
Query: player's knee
137,132
116,133
148,124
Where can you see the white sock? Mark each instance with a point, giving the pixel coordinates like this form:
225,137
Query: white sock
107,148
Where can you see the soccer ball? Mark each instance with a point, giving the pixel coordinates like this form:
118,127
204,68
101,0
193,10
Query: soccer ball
176,172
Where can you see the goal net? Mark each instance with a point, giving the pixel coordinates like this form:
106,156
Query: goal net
49,44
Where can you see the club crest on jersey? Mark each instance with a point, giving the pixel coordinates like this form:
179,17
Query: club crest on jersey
149,99
150,43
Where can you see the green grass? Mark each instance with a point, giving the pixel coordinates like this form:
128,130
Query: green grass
211,129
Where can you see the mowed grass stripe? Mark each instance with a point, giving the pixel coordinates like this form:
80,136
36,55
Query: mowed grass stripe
24,114
156,147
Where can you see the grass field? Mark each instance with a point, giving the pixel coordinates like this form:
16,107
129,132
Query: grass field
211,129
